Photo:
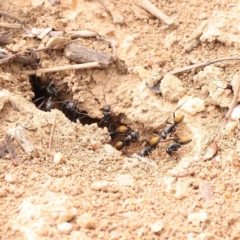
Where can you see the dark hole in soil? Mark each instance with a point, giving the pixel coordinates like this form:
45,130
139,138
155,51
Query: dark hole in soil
47,97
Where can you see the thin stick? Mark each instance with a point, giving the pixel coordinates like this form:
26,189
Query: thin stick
51,134
10,25
115,13
147,5
202,64
39,72
229,113
5,14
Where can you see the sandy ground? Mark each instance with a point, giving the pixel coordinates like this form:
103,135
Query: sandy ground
81,187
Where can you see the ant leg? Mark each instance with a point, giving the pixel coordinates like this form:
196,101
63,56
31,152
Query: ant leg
176,136
104,119
38,99
125,149
167,122
43,102
110,124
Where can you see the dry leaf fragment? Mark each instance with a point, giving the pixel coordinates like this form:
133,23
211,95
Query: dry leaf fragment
205,190
211,151
2,150
40,33
22,139
14,105
6,37
8,137
216,164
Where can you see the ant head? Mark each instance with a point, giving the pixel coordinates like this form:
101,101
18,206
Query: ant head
134,134
51,90
71,105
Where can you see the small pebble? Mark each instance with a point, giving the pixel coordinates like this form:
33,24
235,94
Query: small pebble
125,180
172,87
141,71
197,218
192,105
203,16
157,226
57,158
10,178
86,221
4,97
236,113
65,227
67,216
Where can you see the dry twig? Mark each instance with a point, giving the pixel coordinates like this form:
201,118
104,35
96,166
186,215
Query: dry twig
10,25
202,64
147,5
39,72
183,174
19,58
51,134
5,14
116,15
213,149
229,113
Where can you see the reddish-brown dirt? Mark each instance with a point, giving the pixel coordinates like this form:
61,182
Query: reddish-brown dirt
93,191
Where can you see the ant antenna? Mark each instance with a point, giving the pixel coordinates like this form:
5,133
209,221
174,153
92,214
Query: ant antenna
180,105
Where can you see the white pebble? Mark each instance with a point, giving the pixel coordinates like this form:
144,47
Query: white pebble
65,227
125,179
192,105
141,71
10,178
110,150
4,97
196,218
67,215
57,158
172,87
86,221
157,226
236,113
203,16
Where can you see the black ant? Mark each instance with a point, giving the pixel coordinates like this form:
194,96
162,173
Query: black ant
122,144
107,116
130,137
46,105
146,151
173,147
124,130
106,111
51,90
71,111
176,120
152,145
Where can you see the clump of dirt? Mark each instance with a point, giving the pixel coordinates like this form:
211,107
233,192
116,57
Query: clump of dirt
73,183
